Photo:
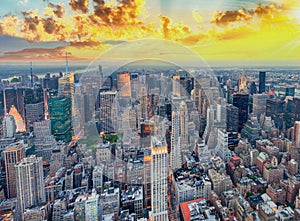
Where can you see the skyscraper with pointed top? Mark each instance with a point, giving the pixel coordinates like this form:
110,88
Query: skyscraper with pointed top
60,107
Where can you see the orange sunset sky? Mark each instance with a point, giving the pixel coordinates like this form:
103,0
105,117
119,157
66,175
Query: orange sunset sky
218,30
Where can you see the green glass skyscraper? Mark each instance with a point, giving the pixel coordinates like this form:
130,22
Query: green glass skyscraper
60,111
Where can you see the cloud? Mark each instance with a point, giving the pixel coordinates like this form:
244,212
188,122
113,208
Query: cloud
197,16
173,31
242,15
23,2
57,10
79,5
90,30
224,18
124,13
14,44
40,54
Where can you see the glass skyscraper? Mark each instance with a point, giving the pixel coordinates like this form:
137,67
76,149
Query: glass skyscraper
60,111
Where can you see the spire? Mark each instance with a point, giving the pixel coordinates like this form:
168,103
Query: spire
67,64
31,75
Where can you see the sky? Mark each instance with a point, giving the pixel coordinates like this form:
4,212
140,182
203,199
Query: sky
217,30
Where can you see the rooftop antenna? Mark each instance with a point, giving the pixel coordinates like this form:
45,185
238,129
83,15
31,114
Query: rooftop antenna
31,75
67,64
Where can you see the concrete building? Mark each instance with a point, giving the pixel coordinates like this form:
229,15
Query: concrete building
132,199
220,182
9,126
159,179
175,158
13,154
29,184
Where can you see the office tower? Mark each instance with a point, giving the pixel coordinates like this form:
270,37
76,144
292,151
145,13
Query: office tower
14,97
259,104
1,107
241,100
176,85
44,141
262,82
143,107
297,134
13,154
292,112
147,182
34,105
69,181
159,179
176,159
78,175
61,118
59,209
34,113
98,176
253,89
123,84
290,91
184,121
222,145
251,130
276,110
107,108
243,82
50,83
187,85
66,86
9,126
232,118
30,184
80,109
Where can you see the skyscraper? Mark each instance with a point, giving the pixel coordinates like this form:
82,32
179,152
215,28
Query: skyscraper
292,112
12,155
176,85
9,126
123,84
34,105
34,113
175,142
222,145
61,118
259,104
106,102
297,133
184,121
241,101
159,179
232,118
276,110
29,184
262,82
251,130
44,141
243,82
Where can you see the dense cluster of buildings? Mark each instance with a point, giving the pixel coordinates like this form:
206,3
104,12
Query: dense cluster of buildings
150,145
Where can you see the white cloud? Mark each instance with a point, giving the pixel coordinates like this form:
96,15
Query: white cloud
23,2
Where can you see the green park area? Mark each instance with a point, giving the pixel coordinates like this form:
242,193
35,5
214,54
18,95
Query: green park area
91,141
